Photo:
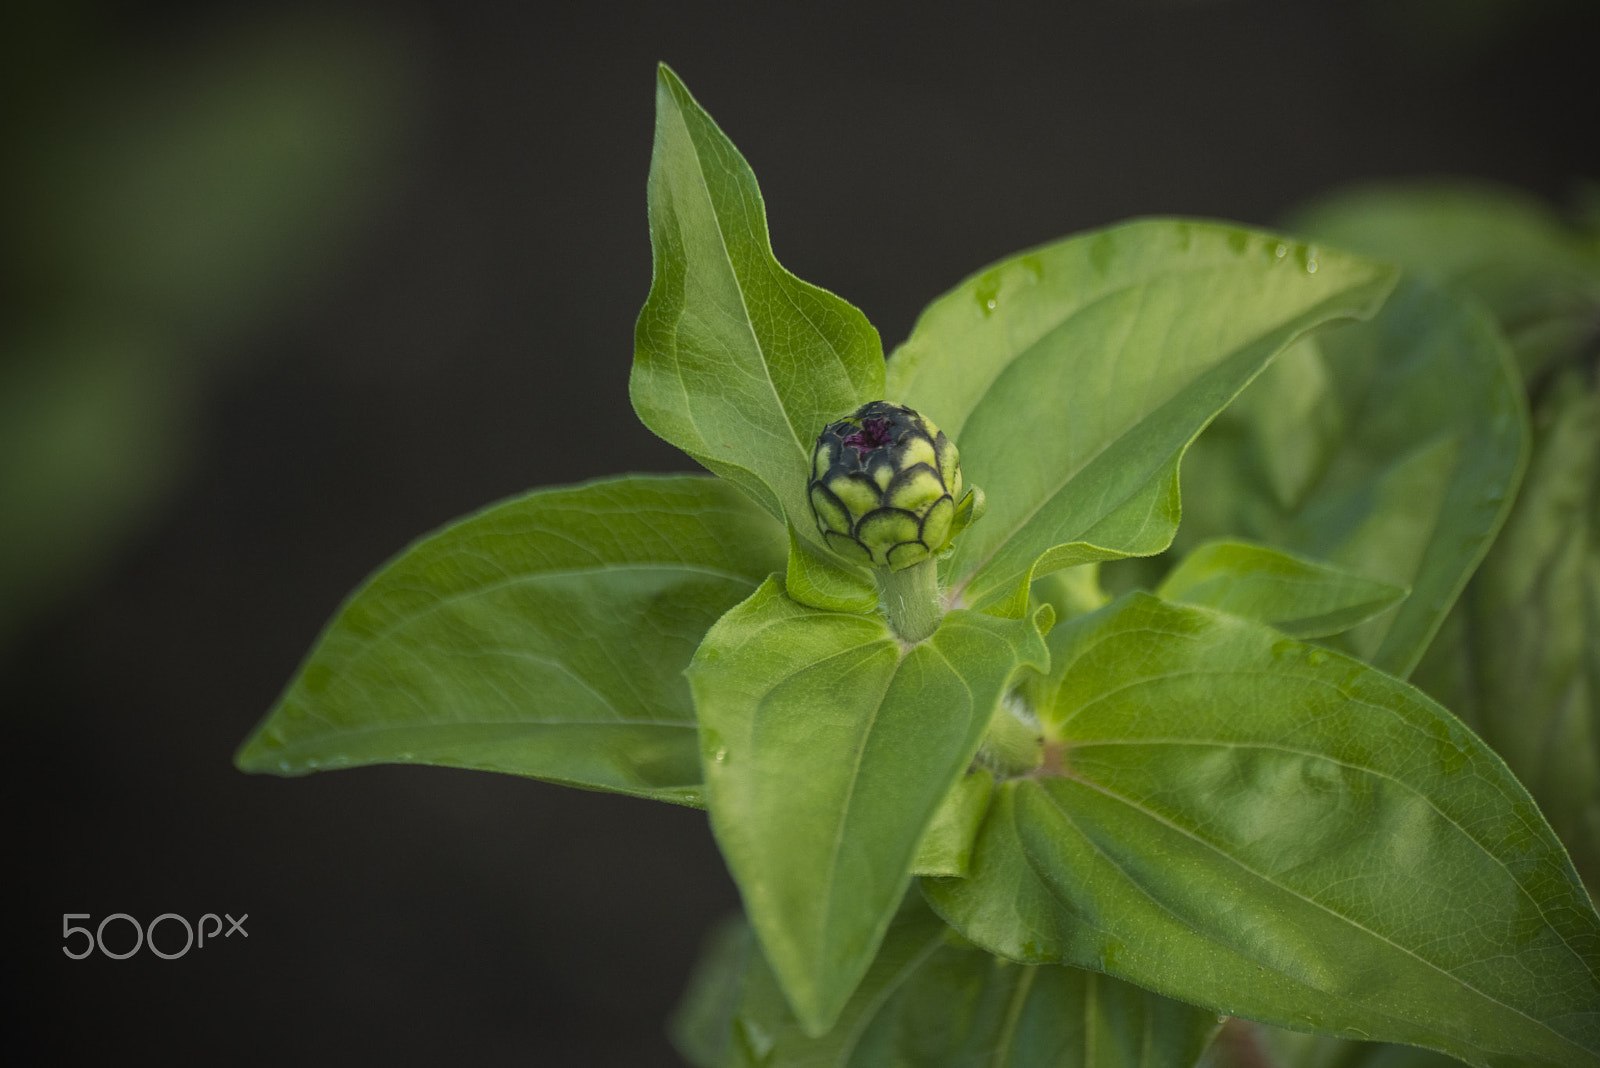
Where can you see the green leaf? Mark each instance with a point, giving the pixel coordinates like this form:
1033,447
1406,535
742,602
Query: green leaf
966,1009
946,846
734,983
1531,633
1295,1049
1503,247
1073,378
1263,827
1302,598
1071,591
818,578
701,1026
545,636
928,1003
1412,485
1002,904
736,361
828,746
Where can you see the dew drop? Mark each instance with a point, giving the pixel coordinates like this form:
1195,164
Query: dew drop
283,765
1311,266
986,291
721,755
1281,251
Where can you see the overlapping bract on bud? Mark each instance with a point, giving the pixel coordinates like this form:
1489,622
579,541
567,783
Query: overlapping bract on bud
886,487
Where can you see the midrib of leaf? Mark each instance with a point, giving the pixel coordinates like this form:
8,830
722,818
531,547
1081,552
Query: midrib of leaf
844,810
1157,902
1142,284
1059,325
738,286
1014,1008
844,814
1156,817
929,947
958,594
1121,434
849,798
618,717
767,264
1375,773
1345,696
446,599
525,726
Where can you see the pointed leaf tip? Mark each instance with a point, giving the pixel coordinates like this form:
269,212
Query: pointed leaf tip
736,361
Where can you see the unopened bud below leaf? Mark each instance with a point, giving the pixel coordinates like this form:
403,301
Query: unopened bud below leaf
886,487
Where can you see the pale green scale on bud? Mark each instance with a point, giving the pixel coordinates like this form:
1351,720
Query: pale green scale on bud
886,487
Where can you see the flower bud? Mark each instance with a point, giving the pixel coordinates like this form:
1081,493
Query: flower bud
886,487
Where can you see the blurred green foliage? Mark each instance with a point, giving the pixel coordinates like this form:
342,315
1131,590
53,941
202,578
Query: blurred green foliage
158,205
1518,656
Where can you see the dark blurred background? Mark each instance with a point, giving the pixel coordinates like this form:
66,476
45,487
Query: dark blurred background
284,287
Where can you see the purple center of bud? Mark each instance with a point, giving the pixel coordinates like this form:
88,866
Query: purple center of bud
874,434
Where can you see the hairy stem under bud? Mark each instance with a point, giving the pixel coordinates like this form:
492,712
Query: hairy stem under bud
1010,746
910,599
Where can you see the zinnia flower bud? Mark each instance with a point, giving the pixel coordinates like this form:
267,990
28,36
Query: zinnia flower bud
886,487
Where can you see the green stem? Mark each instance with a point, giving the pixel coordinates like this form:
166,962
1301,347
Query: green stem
1010,746
910,599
